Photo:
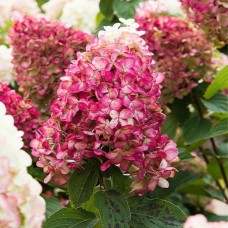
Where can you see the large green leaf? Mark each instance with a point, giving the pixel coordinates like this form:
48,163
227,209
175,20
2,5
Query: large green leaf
71,218
221,128
52,205
170,125
125,8
82,183
156,213
107,9
220,82
114,209
196,129
217,104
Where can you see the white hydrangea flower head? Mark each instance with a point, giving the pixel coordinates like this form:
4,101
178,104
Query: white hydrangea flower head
53,8
28,7
11,142
127,33
6,67
19,192
80,14
7,8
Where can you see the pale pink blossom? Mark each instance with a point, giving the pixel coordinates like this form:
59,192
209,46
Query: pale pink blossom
196,221
19,192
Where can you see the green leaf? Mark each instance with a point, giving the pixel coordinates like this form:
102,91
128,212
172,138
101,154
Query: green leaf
89,204
114,209
221,128
213,169
214,194
217,104
174,183
52,205
82,183
156,213
196,129
124,8
197,187
119,181
71,218
215,218
170,126
106,9
220,82
184,154
180,109
223,149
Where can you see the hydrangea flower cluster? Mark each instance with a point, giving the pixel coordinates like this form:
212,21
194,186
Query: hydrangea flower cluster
24,113
179,51
199,220
75,14
19,192
107,109
6,67
42,50
211,16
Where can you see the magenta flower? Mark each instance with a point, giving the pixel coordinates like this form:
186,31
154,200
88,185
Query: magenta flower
42,50
107,108
211,16
179,51
24,113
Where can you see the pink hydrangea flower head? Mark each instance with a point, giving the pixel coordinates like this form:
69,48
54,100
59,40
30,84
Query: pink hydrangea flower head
24,113
211,16
42,50
179,51
199,220
107,108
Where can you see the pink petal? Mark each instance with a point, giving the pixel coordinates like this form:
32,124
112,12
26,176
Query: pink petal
163,183
113,123
116,104
100,63
114,114
105,166
125,114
